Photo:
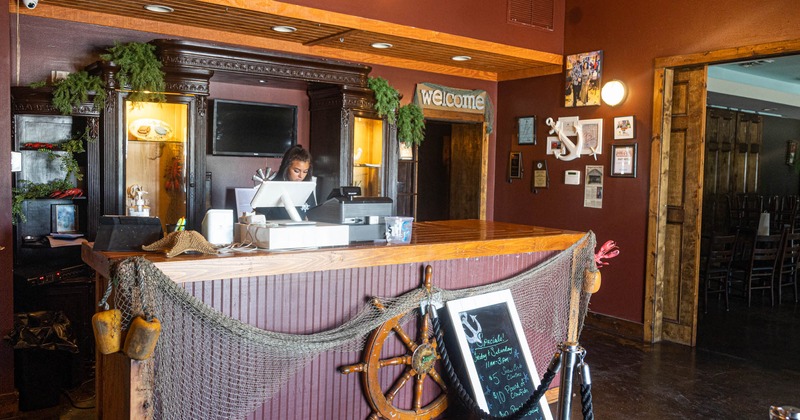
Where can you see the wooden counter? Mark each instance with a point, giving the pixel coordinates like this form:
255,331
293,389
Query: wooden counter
430,241
266,289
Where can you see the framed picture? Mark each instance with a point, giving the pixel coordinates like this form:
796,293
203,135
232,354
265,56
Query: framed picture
583,75
64,218
623,160
515,165
568,125
592,136
526,130
491,343
553,145
624,128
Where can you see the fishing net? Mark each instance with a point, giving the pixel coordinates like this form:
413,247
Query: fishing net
208,365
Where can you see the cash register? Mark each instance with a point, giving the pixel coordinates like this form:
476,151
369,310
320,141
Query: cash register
363,215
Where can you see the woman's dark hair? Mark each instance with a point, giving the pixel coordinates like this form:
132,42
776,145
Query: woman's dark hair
295,153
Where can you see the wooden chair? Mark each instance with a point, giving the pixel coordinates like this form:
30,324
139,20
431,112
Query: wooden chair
789,264
757,270
716,269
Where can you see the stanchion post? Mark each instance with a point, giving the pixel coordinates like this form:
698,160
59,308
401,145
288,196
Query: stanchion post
569,354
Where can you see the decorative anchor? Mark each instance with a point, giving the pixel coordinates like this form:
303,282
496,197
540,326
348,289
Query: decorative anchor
573,150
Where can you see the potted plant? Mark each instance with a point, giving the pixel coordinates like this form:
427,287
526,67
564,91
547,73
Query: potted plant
409,118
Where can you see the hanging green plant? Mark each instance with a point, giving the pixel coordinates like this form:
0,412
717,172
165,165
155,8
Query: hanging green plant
139,70
387,98
74,91
410,125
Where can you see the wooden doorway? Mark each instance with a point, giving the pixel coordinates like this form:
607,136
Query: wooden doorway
447,177
673,251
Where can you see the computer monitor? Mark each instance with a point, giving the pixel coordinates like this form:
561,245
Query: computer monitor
286,194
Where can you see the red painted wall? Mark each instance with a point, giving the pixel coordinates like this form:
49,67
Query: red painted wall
631,34
6,295
485,20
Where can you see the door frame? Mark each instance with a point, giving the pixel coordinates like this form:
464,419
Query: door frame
659,165
469,118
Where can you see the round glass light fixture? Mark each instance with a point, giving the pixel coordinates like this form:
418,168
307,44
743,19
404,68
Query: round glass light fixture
158,8
613,92
284,29
382,45
461,58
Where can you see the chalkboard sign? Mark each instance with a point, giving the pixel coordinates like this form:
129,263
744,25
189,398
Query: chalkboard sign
495,353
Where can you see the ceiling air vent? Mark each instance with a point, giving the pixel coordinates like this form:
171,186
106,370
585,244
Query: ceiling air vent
538,13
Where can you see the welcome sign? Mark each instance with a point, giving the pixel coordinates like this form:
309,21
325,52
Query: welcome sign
443,98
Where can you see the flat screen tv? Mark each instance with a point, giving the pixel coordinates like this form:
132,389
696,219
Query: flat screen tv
252,129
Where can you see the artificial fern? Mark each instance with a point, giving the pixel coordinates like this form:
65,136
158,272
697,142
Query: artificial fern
410,125
387,99
74,90
139,70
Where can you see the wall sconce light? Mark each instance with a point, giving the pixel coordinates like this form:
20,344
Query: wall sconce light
613,92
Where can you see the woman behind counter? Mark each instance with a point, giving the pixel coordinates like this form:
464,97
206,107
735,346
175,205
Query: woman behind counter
295,166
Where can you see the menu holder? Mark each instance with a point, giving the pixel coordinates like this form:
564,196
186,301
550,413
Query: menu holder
496,358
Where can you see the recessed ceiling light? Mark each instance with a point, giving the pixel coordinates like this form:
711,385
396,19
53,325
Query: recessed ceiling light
262,81
284,29
461,58
382,45
158,8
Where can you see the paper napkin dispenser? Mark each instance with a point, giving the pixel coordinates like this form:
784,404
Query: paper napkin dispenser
127,233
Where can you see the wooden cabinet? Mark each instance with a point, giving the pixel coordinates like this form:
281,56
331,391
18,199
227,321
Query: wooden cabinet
159,147
351,145
40,132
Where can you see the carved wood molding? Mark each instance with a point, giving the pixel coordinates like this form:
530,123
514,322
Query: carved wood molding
259,63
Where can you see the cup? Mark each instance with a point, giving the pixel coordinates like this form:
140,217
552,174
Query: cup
398,229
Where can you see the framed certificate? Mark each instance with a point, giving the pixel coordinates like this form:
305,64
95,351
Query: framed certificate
526,130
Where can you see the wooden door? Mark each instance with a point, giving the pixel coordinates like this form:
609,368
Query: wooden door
680,189
466,171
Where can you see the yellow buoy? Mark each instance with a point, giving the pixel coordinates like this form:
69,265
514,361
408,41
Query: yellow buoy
107,326
142,338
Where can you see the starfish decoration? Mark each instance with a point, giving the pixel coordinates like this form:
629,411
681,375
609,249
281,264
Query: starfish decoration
177,243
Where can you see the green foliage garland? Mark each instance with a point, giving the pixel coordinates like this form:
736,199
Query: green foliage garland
74,90
410,125
29,190
139,70
387,99
409,118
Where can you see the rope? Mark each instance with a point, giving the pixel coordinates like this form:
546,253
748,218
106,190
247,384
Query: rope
586,402
470,403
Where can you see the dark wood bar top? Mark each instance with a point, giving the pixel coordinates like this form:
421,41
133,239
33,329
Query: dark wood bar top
430,241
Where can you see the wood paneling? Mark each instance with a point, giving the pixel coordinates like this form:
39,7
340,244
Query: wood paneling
319,32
